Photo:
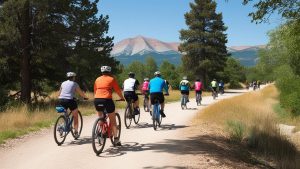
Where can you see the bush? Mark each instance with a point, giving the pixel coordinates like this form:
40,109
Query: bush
236,130
234,85
288,84
3,99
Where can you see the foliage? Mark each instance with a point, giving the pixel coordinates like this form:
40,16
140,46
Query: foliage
287,8
58,36
204,41
234,72
236,130
170,73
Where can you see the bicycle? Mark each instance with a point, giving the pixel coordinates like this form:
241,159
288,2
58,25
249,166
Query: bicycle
184,99
102,130
64,125
146,103
214,93
156,117
198,98
129,113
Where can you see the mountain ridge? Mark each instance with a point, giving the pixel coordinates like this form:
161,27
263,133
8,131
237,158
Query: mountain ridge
140,47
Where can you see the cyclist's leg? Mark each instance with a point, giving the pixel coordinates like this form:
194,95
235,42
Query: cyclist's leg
110,108
74,109
136,100
161,99
99,106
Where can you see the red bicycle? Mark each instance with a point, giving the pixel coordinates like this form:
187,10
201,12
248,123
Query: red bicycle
102,129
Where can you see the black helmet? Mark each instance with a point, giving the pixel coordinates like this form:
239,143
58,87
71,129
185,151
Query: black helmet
131,74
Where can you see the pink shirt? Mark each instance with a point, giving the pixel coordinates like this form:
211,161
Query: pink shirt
198,86
145,86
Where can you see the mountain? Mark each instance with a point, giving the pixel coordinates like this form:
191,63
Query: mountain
139,48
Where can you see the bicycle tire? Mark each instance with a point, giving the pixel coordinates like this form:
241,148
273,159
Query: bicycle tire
98,137
59,128
80,125
136,118
118,125
146,105
154,117
127,117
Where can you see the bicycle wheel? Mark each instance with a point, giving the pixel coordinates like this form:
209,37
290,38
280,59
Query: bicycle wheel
118,125
136,118
60,132
128,116
146,105
182,102
155,116
98,137
80,124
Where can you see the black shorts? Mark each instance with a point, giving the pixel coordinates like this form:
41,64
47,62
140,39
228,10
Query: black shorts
159,96
68,103
104,104
185,92
130,96
198,91
214,89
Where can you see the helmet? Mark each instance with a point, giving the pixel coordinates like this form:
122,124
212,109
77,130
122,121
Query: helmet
214,79
184,78
105,69
71,74
146,79
131,74
157,73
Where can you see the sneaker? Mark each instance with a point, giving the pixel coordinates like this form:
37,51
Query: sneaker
117,142
76,134
162,113
136,111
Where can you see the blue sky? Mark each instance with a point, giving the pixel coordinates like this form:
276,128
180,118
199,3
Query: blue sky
162,19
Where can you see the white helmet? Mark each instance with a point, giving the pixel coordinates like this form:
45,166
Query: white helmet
71,74
146,79
184,78
105,69
157,73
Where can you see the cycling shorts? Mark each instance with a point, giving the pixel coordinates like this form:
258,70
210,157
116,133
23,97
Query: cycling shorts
214,89
130,95
185,92
198,91
68,103
104,104
159,96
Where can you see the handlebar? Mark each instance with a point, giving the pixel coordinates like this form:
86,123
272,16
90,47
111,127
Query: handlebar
120,100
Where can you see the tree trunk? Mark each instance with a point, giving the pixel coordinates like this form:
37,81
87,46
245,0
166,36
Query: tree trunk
25,54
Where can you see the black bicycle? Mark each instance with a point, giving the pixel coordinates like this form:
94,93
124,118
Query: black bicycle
146,103
65,124
198,99
130,114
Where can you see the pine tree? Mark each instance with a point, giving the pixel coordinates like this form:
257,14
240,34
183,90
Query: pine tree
92,47
203,47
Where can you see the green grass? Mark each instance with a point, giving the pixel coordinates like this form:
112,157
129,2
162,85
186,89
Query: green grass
287,118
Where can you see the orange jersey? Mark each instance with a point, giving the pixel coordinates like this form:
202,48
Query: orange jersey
103,87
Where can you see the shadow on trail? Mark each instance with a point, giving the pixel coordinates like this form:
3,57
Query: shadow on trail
79,141
162,127
165,167
211,146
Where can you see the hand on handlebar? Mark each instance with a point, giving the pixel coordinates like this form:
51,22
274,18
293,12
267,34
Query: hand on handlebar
85,98
167,94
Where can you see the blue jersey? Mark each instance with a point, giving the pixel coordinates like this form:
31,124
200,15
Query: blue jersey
157,84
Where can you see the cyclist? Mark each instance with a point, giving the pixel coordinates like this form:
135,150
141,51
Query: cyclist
184,87
129,86
156,86
214,86
66,97
145,87
198,86
103,97
221,86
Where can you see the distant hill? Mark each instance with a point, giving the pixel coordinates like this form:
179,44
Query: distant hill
139,48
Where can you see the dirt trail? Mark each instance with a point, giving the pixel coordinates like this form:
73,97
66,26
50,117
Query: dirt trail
142,146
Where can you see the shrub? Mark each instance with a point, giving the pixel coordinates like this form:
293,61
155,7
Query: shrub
236,130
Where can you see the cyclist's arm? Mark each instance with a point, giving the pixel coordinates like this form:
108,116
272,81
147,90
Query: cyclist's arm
59,92
117,89
80,92
166,88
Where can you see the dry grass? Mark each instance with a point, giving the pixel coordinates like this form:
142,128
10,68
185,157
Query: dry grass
251,118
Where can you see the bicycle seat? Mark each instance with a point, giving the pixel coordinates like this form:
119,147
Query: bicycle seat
60,109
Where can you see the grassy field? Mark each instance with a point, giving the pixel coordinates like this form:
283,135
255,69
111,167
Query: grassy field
250,120
19,120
